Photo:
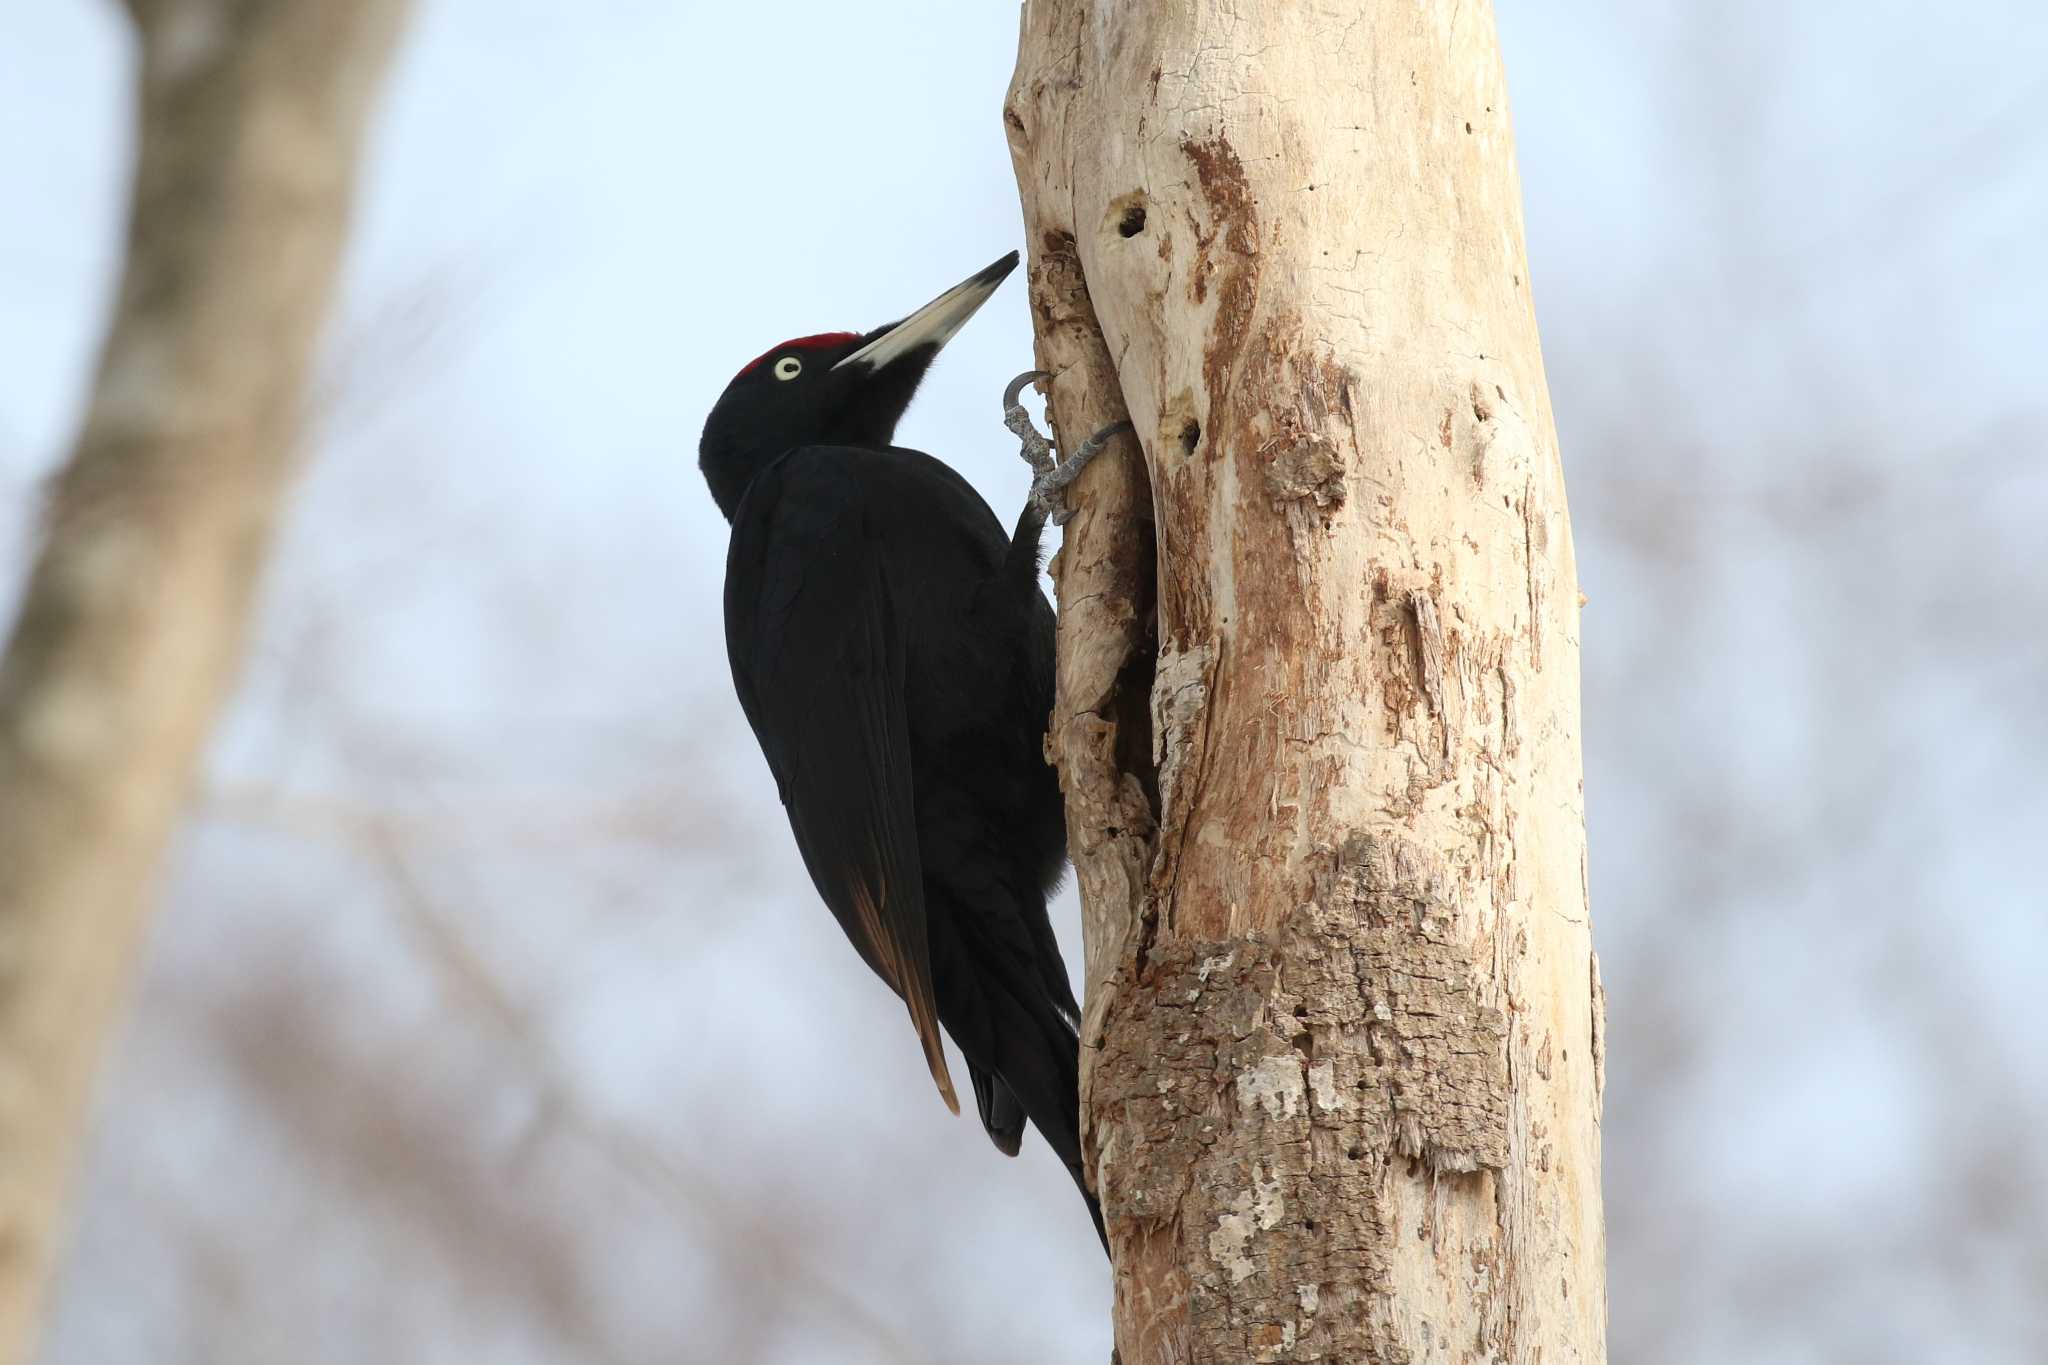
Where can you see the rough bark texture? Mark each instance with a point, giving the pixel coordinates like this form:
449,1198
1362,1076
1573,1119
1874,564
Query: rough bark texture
251,111
1321,741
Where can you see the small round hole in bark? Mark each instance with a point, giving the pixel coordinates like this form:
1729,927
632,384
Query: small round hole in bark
1133,221
1189,436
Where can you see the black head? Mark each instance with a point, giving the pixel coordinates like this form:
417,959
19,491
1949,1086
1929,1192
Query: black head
836,388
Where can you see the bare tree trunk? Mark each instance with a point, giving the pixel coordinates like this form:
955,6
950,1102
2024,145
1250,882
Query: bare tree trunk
1321,745
251,112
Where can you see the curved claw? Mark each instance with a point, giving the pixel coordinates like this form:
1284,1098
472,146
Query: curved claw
1092,447
1017,386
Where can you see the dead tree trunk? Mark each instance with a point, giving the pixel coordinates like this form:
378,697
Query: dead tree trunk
1320,741
251,111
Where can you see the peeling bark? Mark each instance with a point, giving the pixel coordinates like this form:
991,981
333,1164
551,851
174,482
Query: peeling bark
1318,710
251,111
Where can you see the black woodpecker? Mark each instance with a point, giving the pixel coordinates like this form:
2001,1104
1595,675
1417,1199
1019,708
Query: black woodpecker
894,654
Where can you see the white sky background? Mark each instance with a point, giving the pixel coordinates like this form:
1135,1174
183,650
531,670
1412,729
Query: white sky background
490,1014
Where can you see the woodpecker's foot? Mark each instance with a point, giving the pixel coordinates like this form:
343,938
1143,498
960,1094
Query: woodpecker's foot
1038,452
1049,489
1052,474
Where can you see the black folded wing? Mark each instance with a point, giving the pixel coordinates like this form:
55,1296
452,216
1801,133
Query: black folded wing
815,632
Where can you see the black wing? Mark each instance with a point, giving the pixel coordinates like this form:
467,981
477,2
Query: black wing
814,628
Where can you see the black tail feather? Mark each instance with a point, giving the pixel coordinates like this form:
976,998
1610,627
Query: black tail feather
1017,1033
1001,1114
1052,1097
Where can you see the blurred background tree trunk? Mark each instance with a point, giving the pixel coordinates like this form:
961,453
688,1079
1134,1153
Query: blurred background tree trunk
251,114
1320,739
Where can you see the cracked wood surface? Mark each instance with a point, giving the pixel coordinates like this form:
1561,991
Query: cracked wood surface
131,624
1318,685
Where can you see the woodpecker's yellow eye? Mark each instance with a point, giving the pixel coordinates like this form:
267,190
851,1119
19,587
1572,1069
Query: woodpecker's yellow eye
789,367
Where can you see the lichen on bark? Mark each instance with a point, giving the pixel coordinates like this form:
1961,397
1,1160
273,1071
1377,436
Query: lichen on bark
1353,1039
